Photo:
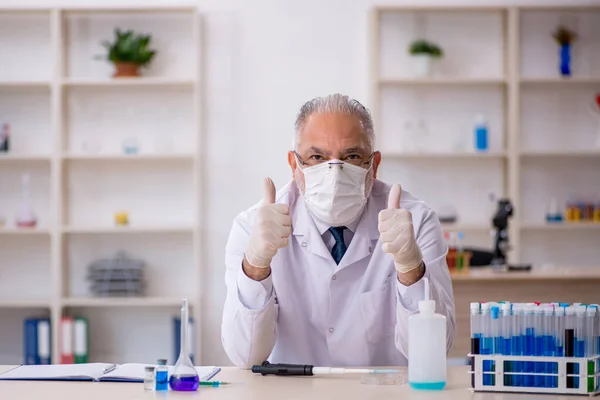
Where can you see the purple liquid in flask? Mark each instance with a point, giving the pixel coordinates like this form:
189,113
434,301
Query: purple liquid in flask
184,383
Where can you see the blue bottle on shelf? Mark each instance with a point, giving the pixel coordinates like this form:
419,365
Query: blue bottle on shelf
481,134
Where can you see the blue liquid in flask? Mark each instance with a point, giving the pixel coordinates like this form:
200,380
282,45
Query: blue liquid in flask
184,383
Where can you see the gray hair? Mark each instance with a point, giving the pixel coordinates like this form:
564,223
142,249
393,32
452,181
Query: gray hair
335,103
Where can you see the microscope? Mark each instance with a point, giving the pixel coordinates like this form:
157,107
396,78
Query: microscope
501,243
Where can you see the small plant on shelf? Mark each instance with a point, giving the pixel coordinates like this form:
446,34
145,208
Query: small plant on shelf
565,38
129,52
423,47
423,52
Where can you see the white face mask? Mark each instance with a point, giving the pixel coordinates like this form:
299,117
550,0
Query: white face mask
335,191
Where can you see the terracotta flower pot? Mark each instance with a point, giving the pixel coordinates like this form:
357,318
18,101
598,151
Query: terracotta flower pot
126,70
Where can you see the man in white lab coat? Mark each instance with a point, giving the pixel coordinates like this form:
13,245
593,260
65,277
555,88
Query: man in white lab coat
327,270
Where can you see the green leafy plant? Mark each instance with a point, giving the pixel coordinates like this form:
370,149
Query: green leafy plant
564,36
129,47
422,46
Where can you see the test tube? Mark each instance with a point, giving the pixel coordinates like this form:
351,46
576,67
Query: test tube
590,351
516,342
596,329
506,329
476,327
538,345
496,336
580,331
529,345
476,333
559,329
549,345
486,342
569,343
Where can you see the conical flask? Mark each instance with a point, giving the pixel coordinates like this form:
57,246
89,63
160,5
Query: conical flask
184,377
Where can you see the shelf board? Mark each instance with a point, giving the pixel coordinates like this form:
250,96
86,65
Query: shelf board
561,153
24,84
452,156
12,157
564,226
442,81
23,231
131,9
439,8
24,303
142,81
122,302
128,157
126,229
573,80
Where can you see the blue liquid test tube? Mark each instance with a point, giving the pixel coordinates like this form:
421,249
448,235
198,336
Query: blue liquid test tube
538,345
580,331
476,334
486,342
506,331
528,345
549,345
517,343
496,336
559,336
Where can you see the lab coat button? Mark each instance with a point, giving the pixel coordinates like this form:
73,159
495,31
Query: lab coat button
408,302
304,244
330,330
370,249
334,277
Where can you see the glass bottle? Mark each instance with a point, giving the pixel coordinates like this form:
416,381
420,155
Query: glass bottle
184,377
162,376
26,217
149,378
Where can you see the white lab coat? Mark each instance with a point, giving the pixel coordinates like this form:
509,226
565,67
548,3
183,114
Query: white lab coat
312,311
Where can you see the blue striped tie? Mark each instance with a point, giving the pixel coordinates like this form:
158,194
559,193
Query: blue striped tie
338,250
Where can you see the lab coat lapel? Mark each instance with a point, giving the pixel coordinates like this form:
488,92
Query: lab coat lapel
365,237
306,233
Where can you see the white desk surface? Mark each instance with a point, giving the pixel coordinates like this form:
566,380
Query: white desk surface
256,387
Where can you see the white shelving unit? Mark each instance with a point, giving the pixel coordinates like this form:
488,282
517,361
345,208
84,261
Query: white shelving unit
540,137
72,101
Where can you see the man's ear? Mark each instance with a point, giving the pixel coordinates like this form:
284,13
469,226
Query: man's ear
376,162
292,163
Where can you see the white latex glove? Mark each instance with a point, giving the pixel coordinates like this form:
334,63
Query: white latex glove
272,228
397,234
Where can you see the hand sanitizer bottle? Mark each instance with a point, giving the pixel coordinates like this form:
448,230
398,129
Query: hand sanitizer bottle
427,347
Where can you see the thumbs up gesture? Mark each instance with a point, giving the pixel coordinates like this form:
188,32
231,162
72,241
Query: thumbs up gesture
397,234
272,228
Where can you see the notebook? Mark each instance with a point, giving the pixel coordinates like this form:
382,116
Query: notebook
99,372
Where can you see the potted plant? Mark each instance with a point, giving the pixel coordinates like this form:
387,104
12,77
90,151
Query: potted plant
565,38
423,52
129,52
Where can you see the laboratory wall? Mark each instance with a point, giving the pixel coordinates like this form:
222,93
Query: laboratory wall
262,59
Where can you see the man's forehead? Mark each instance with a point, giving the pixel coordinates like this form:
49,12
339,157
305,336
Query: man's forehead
325,131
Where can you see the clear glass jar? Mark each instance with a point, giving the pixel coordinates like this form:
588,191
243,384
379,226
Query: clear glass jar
149,378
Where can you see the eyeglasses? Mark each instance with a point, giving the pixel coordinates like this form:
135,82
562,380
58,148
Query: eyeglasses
354,159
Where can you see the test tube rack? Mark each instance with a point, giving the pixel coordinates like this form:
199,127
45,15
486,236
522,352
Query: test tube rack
585,383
